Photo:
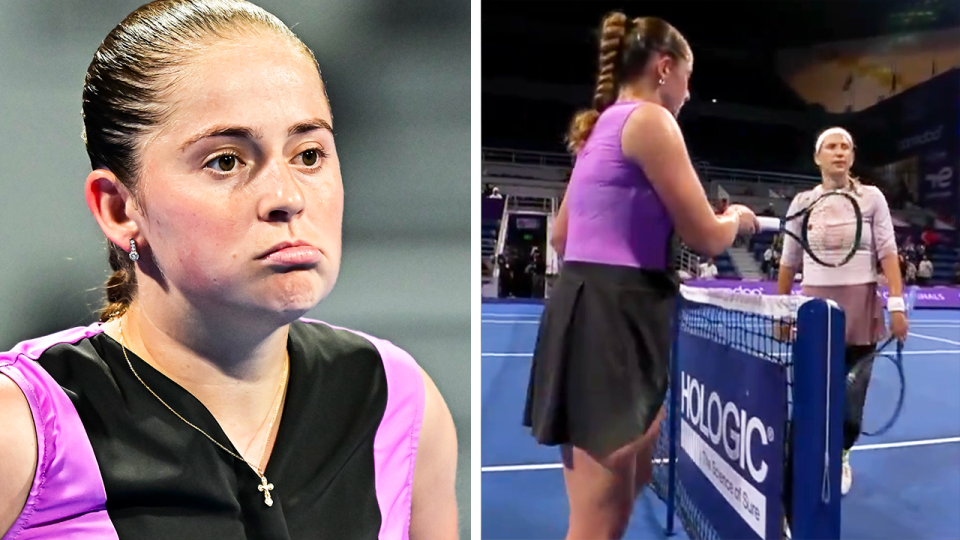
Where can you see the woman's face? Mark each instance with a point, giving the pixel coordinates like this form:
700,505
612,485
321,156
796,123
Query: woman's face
245,163
835,156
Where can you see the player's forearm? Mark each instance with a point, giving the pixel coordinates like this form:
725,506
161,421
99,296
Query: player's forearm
558,244
890,265
785,279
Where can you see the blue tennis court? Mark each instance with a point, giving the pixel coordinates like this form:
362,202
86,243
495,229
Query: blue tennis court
906,481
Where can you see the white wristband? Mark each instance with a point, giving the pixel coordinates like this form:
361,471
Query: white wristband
895,303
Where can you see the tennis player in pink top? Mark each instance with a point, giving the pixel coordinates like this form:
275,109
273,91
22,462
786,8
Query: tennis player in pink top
202,405
852,286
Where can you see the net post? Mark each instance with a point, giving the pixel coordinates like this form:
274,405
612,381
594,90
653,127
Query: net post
817,434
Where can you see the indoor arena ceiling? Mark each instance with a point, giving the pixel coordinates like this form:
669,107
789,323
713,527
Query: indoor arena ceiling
752,26
778,23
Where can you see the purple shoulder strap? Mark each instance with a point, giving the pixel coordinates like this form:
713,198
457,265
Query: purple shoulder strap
67,499
397,438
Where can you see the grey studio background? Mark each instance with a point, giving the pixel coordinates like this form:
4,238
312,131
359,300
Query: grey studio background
398,75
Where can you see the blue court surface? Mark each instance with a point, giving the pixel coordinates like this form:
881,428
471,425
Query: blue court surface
906,481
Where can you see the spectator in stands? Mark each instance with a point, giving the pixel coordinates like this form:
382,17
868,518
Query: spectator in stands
924,271
771,259
956,274
495,193
929,236
506,282
911,273
765,266
536,271
708,270
487,189
909,249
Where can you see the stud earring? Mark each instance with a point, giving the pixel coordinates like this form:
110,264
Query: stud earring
133,250
661,82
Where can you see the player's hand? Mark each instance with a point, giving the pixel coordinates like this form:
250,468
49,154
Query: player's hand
746,218
899,326
784,331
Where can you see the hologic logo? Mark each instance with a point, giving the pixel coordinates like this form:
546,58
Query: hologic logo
921,139
725,425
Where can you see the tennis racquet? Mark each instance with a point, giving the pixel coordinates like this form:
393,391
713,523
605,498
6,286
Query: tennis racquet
830,228
891,400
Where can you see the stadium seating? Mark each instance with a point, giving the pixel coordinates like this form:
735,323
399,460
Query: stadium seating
943,257
764,191
725,267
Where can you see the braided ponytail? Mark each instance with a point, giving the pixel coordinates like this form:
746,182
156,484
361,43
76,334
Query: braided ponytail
122,284
854,184
613,34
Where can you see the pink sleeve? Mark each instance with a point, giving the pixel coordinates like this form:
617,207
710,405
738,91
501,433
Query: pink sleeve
883,235
792,255
397,439
67,498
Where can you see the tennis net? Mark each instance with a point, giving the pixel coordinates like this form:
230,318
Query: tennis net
725,461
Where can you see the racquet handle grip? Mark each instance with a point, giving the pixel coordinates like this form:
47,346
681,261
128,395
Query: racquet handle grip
768,223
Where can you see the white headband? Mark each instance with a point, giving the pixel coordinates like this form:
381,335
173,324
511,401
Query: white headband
832,131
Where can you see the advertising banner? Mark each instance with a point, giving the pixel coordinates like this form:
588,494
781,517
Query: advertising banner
733,409
938,183
928,297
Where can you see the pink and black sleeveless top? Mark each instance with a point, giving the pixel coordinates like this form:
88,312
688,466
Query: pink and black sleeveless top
114,463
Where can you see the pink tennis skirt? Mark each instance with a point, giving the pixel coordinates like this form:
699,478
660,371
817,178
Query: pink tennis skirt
862,307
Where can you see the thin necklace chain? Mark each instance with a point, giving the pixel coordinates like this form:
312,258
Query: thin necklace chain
265,487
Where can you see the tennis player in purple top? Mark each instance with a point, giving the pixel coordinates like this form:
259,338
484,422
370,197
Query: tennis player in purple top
600,367
202,405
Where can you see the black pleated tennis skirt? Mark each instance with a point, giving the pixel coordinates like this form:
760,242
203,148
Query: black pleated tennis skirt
602,360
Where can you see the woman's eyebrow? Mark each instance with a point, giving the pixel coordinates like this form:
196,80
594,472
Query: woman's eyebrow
236,132
242,132
309,125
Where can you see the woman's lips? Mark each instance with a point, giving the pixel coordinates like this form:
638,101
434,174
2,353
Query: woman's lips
293,256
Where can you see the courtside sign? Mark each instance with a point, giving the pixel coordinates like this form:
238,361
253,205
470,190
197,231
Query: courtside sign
732,416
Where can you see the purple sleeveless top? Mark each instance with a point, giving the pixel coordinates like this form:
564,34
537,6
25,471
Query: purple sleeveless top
68,498
614,215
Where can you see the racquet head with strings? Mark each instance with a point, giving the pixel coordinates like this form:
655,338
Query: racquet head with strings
829,228
888,386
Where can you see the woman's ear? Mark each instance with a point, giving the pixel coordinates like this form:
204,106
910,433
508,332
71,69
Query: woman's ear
113,206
